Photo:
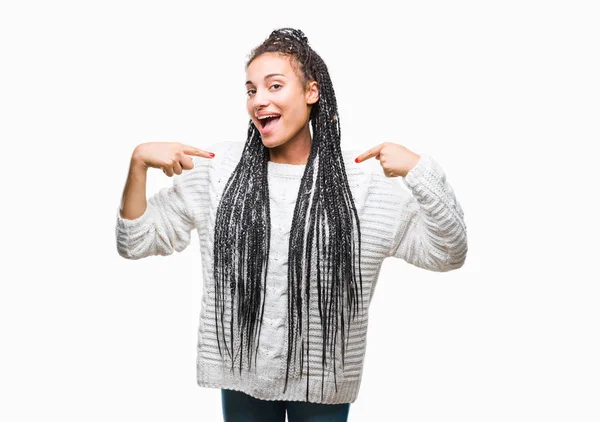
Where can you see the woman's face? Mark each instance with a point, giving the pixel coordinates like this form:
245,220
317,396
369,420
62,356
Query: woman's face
274,88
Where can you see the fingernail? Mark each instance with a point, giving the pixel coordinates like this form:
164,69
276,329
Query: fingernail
211,154
356,160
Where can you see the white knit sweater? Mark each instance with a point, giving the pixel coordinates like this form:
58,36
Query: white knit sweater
425,228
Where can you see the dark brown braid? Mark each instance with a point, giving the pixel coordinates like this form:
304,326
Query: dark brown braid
325,218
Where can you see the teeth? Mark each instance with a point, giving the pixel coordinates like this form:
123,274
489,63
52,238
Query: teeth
264,117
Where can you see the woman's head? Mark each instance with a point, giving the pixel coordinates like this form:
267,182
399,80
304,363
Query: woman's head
297,92
276,88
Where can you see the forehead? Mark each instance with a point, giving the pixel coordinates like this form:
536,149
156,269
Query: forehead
268,63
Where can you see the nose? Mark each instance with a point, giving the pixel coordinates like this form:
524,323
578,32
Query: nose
259,101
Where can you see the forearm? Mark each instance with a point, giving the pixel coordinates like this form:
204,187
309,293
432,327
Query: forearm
133,202
432,233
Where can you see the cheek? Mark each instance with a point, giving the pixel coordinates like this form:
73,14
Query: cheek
297,111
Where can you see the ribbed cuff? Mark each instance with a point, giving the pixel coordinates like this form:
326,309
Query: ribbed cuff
426,177
131,226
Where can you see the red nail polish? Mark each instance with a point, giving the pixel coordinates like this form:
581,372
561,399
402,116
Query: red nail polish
356,160
211,154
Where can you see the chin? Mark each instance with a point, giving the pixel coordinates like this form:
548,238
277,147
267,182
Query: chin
272,143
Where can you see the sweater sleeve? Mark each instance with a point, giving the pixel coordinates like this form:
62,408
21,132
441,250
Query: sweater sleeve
164,227
430,232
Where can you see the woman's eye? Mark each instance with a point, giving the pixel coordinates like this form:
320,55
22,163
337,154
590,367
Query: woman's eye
252,91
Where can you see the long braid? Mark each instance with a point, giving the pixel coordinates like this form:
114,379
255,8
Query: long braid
251,238
325,221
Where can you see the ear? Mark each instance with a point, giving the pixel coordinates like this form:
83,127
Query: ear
312,92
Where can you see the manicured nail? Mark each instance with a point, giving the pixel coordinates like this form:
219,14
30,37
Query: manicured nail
356,160
211,154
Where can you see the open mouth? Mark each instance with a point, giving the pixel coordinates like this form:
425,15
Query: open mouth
268,122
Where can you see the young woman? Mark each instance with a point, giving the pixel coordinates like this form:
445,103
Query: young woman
293,231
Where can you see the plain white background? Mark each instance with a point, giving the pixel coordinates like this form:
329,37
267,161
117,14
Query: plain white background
503,94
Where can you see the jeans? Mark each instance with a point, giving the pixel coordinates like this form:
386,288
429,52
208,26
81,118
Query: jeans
241,407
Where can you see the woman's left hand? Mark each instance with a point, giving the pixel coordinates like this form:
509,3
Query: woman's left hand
395,159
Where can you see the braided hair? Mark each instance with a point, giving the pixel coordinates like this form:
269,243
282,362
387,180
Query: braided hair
324,214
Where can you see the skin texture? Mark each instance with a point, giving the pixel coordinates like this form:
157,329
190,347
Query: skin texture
171,157
285,95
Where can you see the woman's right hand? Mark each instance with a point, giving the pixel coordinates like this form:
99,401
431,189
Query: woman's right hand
171,157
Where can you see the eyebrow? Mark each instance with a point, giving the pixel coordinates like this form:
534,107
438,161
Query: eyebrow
270,75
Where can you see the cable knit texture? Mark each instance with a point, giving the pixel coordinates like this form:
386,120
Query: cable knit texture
415,218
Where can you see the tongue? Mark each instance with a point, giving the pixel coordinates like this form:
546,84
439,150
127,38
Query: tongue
271,122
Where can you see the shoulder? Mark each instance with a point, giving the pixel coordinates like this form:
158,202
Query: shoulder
369,180
365,170
227,155
361,177
225,148
226,152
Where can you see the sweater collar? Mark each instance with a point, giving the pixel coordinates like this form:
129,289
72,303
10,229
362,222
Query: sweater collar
286,170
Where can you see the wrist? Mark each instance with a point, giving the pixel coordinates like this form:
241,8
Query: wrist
414,161
137,163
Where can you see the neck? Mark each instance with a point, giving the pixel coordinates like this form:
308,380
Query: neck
294,151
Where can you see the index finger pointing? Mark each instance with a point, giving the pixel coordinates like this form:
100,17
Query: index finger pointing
189,150
369,154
